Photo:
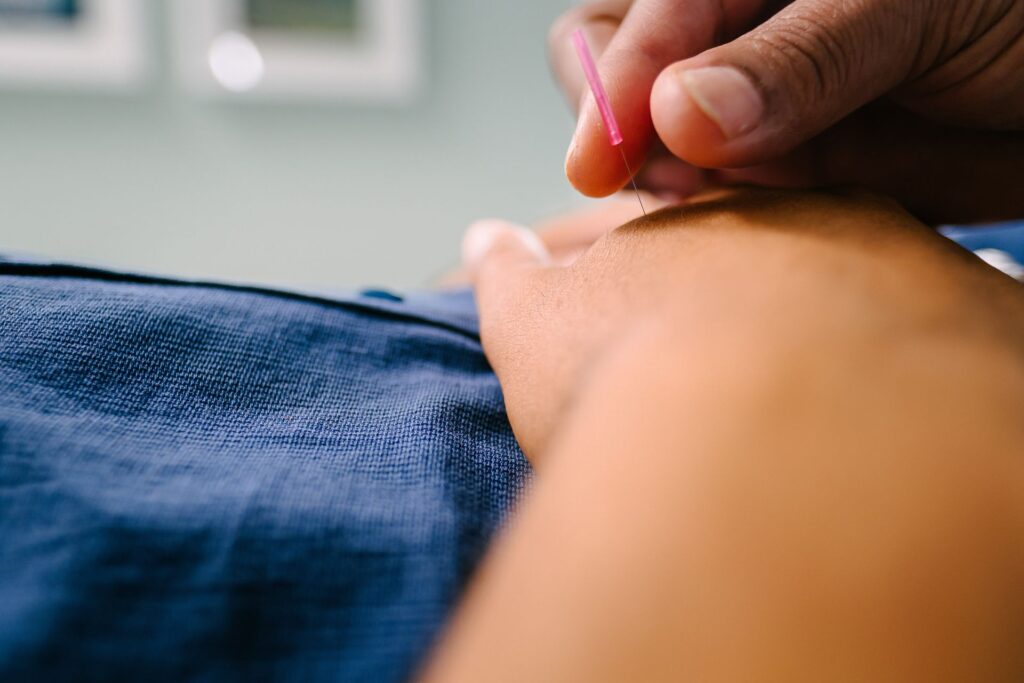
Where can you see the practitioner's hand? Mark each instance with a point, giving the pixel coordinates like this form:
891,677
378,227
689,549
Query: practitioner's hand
921,99
778,438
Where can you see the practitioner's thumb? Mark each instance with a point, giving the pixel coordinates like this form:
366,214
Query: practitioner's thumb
763,94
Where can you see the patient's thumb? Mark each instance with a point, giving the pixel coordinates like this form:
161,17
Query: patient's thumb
491,248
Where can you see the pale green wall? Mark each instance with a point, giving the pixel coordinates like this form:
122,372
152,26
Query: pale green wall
296,193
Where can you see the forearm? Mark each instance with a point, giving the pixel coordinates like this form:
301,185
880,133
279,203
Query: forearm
704,515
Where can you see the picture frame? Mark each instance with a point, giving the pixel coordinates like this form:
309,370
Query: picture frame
73,44
351,50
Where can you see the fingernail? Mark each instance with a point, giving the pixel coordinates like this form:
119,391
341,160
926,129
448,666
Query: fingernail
727,97
532,241
483,235
479,239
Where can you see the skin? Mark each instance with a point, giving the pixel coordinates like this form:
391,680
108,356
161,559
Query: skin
777,438
920,99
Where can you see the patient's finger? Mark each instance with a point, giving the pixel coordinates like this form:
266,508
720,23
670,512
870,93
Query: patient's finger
566,236
510,268
499,255
491,240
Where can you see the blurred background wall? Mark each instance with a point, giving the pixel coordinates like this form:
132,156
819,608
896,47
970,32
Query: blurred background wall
294,193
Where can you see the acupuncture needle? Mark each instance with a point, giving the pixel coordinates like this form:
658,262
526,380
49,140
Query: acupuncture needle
603,104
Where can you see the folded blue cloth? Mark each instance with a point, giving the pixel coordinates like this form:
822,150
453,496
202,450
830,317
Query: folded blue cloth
207,481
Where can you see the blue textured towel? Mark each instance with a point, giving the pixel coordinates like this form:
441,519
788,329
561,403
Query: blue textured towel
205,481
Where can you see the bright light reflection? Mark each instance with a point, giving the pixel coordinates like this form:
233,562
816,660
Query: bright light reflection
236,62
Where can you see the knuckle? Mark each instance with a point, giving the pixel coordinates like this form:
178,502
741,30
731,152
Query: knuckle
561,28
819,48
568,22
611,11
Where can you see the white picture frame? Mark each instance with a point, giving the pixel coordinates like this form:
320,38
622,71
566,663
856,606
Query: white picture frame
103,48
218,56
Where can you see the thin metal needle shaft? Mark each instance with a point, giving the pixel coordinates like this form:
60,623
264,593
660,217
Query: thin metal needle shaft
630,171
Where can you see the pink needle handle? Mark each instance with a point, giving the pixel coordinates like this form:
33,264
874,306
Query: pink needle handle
603,106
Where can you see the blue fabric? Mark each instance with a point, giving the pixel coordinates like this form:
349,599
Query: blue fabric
215,482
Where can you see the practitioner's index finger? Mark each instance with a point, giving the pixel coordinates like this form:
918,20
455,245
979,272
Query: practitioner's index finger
653,35
562,55
599,20
614,112
597,89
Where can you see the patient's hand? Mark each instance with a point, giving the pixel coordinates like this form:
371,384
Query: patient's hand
778,438
563,237
763,269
